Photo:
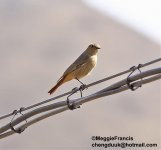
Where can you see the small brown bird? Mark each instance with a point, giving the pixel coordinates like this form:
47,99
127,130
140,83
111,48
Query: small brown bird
81,67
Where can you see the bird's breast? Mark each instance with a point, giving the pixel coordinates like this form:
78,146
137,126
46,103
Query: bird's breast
86,68
93,60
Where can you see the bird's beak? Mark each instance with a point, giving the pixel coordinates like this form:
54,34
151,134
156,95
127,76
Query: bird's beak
98,46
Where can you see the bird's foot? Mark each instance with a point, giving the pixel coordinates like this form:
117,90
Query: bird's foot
83,87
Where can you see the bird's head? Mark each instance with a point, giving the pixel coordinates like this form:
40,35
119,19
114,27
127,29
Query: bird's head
93,48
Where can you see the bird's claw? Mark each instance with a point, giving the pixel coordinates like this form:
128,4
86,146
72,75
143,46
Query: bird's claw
83,87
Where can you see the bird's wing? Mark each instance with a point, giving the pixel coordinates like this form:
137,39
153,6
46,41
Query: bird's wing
81,60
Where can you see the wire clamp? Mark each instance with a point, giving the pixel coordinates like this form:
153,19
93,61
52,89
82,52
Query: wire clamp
19,130
71,106
130,85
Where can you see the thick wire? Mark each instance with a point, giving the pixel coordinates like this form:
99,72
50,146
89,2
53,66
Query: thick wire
77,89
155,75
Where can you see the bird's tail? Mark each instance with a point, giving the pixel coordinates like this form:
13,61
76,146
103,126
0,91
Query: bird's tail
60,82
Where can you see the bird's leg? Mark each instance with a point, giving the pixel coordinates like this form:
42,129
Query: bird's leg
83,86
79,81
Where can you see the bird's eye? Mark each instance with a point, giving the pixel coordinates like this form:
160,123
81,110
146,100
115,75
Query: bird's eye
92,45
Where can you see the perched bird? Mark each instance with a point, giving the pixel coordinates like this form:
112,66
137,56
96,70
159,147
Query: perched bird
81,67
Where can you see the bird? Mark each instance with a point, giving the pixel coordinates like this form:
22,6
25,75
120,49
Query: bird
80,68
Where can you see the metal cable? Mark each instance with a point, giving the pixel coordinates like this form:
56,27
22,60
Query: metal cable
77,89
